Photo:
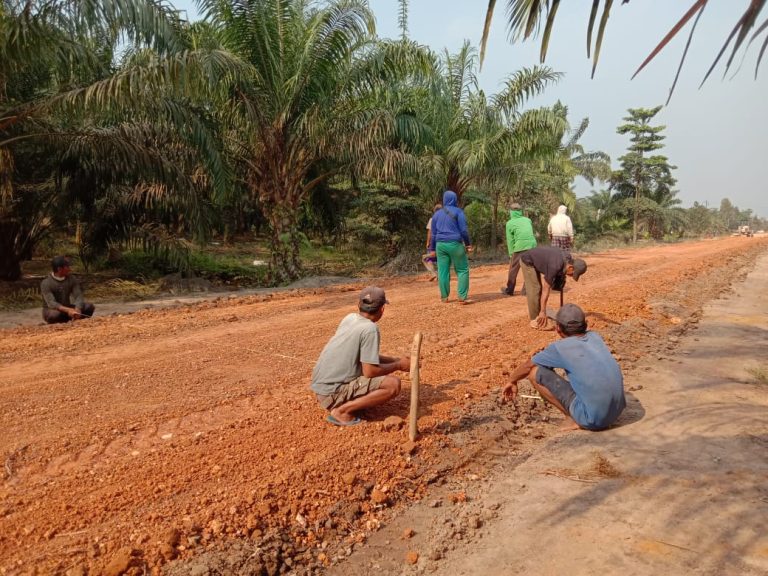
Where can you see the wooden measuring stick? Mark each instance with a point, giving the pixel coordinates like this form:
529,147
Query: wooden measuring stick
414,415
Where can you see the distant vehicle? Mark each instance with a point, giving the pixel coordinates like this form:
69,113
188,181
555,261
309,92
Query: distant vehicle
745,230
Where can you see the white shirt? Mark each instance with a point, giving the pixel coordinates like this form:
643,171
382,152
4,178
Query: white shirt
560,225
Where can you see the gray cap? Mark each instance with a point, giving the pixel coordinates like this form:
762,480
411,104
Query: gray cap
372,298
569,315
579,267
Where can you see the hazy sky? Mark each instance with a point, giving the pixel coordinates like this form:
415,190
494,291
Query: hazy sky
716,136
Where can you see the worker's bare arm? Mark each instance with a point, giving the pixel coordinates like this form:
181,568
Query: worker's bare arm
386,365
509,391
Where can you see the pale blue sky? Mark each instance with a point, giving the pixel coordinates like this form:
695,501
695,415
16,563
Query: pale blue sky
716,136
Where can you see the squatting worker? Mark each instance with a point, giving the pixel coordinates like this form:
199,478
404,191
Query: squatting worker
592,394
350,374
553,265
450,241
62,297
520,238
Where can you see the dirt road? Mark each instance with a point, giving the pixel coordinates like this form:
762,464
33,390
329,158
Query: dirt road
157,439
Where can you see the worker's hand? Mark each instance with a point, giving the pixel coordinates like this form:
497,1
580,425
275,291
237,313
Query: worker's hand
470,248
541,320
72,313
509,392
404,364
432,254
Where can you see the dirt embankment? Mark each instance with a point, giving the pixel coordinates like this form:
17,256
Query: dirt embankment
151,441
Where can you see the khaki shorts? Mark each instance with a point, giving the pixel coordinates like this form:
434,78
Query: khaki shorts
356,388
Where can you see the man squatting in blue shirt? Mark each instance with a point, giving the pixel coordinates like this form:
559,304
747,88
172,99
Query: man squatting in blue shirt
592,395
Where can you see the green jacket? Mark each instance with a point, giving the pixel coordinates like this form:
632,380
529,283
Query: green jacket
519,233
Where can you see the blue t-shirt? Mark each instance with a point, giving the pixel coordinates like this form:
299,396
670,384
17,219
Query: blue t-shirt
594,375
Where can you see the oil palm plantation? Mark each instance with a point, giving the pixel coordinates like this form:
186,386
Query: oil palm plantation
81,134
307,105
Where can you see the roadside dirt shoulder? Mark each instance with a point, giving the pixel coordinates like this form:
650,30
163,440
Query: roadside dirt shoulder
678,487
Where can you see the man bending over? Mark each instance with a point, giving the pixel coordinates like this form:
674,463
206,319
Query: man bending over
350,374
592,395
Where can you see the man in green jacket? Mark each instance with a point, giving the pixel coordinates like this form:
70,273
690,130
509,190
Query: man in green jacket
519,239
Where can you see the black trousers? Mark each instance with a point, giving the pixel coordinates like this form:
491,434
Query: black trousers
56,317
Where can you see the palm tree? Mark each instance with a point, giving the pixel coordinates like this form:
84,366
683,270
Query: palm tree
54,59
306,106
602,213
527,16
468,134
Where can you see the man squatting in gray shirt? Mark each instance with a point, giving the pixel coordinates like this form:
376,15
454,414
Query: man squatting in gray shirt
350,374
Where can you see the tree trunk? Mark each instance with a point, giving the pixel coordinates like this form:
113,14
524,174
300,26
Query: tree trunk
284,263
494,222
634,219
454,183
10,256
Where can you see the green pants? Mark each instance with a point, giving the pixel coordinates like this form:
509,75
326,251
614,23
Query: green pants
452,253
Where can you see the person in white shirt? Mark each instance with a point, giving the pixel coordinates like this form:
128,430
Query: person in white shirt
560,230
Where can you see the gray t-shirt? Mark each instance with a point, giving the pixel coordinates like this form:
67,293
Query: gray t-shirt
64,292
356,340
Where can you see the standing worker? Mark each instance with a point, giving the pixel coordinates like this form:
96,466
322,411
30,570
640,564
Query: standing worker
429,259
520,238
554,265
560,229
450,241
62,297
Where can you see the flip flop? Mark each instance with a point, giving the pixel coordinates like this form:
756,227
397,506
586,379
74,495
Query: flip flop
337,422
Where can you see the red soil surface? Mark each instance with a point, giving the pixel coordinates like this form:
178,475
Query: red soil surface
155,440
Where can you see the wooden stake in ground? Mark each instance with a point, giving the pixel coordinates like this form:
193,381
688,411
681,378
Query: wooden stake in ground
414,416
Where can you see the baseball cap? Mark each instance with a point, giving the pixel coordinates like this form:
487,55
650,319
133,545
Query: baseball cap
569,315
579,267
372,298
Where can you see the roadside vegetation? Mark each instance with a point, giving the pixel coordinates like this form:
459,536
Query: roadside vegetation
276,139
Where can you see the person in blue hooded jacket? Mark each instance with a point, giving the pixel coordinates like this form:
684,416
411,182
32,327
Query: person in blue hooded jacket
450,241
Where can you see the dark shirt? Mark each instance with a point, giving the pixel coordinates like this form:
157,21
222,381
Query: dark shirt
549,262
64,292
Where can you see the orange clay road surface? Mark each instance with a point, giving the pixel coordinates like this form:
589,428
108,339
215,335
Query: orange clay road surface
146,442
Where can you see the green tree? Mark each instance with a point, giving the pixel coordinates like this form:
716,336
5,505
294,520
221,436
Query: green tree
307,105
60,93
646,179
600,214
729,214
703,220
